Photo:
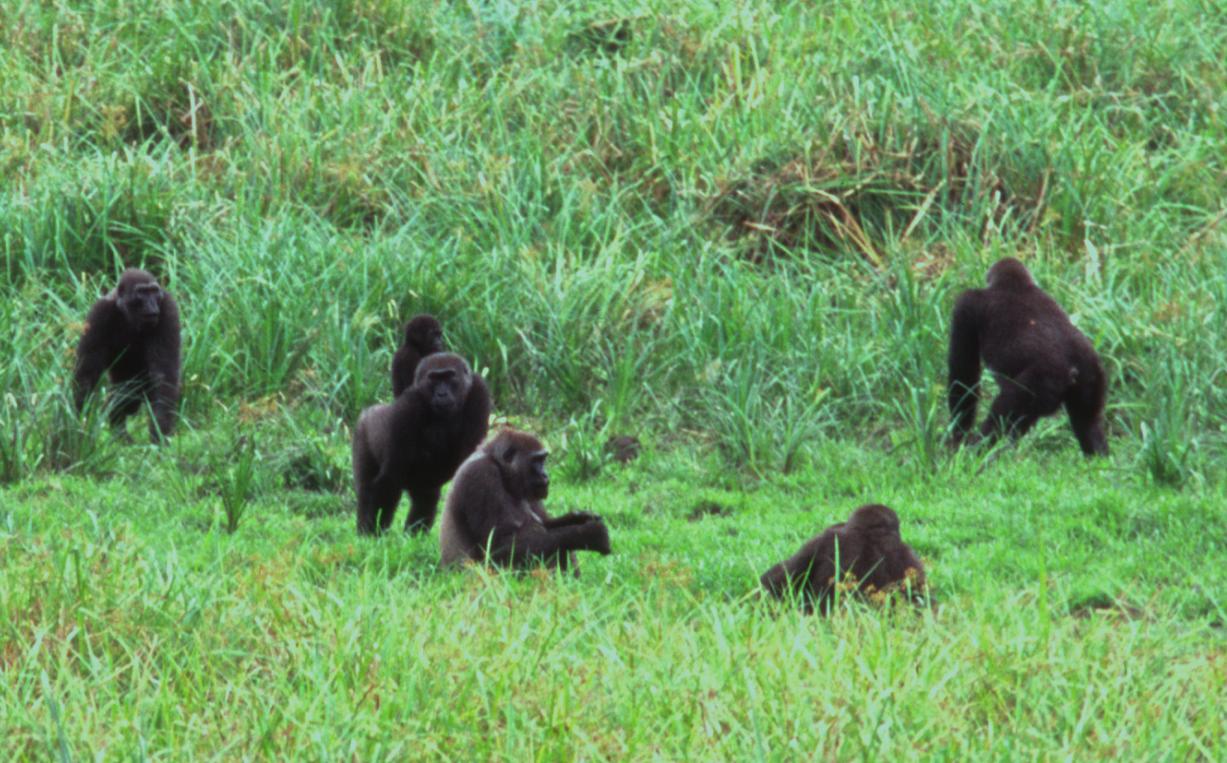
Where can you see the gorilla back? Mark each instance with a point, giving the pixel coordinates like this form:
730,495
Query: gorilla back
867,547
1039,359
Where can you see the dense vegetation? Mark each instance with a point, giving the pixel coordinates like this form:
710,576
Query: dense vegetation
732,229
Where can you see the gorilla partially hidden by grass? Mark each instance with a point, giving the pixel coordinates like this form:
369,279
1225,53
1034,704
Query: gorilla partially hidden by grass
863,555
1039,359
132,334
423,336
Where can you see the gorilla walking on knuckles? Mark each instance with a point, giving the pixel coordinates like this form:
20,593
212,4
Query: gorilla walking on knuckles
1039,359
496,505
423,336
416,442
132,334
868,546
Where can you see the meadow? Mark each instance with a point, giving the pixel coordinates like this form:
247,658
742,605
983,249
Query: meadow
733,230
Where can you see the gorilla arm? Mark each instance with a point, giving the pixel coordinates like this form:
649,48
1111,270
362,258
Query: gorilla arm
524,540
164,362
963,393
476,416
94,351
566,520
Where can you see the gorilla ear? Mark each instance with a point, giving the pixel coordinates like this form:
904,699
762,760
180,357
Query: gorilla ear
506,454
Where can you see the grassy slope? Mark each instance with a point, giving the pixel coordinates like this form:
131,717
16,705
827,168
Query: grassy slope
735,230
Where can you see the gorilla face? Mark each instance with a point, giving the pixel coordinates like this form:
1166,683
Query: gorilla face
443,381
141,304
521,460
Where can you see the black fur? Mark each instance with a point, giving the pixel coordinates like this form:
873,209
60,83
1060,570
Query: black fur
497,504
868,546
1039,359
423,336
133,335
416,442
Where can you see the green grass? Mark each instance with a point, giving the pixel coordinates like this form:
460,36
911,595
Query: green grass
1077,614
733,230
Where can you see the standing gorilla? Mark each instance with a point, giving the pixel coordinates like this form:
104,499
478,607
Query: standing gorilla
496,505
868,546
423,336
1039,359
416,442
133,334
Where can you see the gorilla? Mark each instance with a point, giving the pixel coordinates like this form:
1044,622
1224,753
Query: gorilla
423,336
868,546
496,506
416,442
1039,359
132,333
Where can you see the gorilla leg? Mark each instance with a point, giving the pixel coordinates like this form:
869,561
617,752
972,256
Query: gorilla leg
163,399
122,406
377,500
1019,404
1085,409
423,504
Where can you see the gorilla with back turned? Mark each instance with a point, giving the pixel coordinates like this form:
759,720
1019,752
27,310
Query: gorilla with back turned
867,546
132,334
1039,359
415,443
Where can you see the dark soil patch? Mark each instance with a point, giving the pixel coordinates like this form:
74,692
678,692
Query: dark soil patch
623,448
708,509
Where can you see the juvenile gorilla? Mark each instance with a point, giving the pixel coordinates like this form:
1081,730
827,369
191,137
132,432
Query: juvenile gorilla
423,336
497,504
868,546
1039,359
416,442
132,334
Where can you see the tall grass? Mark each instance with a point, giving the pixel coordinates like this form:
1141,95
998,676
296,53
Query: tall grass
746,225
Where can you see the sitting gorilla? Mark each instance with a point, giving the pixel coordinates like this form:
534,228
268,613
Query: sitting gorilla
495,509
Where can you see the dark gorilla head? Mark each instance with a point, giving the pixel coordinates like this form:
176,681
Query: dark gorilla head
424,334
139,298
521,462
1009,273
874,521
443,381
